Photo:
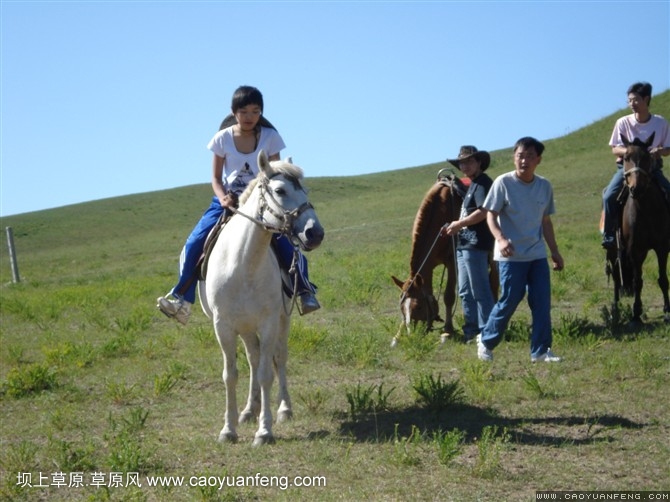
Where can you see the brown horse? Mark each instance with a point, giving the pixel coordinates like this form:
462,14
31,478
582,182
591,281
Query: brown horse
440,205
645,226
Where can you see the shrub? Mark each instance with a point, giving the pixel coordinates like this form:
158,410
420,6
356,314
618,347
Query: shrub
31,379
436,394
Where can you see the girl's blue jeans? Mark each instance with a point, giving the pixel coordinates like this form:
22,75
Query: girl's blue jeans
516,279
474,289
195,244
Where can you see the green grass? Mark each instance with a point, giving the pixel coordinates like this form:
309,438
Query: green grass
94,379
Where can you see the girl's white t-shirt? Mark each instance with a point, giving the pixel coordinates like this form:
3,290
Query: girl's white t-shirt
239,169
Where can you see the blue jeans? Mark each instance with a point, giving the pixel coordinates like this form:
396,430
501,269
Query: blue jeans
195,244
474,289
610,203
517,277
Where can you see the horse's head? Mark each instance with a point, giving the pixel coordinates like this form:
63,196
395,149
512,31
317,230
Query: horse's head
417,304
637,164
285,205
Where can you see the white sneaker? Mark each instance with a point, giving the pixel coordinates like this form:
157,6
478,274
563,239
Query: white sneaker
483,353
547,357
179,310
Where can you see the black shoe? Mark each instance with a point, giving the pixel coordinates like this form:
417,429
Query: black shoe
609,242
309,303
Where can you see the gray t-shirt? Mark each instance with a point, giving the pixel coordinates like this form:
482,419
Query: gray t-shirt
521,207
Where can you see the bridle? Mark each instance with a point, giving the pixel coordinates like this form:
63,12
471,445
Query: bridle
636,169
432,315
287,219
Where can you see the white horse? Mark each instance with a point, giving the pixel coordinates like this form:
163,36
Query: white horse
243,294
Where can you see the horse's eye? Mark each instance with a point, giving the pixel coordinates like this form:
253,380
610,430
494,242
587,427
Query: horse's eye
280,191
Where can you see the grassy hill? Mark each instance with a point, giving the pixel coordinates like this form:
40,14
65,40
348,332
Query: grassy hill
94,379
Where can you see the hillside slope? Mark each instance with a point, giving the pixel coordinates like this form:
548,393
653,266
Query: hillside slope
365,213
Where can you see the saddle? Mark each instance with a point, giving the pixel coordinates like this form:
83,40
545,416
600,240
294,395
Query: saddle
212,237
447,177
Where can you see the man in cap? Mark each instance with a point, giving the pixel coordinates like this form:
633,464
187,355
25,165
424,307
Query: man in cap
474,242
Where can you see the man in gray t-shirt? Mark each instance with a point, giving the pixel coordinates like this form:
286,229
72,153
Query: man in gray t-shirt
519,206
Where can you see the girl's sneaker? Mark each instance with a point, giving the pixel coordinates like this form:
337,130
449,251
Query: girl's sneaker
177,309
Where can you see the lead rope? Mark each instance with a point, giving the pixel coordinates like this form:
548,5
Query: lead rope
287,217
449,183
402,298
293,276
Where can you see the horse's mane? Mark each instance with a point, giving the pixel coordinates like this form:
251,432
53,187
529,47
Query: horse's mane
435,207
277,167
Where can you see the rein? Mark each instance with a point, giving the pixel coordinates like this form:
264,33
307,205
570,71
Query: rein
639,170
404,294
287,218
448,180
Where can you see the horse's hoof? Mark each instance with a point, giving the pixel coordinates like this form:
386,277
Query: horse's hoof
227,437
263,440
247,416
444,337
284,416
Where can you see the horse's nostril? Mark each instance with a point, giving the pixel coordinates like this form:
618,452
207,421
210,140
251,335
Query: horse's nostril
315,234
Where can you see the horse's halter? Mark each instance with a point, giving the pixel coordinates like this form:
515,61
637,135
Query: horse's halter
432,313
638,171
425,296
287,218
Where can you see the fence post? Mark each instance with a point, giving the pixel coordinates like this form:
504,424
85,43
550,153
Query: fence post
12,255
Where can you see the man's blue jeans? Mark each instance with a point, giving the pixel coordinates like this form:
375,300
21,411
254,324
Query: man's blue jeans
474,289
610,204
517,278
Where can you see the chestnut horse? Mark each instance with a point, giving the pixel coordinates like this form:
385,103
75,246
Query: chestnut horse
645,226
442,204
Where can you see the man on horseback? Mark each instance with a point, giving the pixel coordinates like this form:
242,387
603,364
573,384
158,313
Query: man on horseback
235,149
641,124
475,242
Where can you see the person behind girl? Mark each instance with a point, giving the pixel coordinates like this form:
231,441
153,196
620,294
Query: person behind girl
475,242
234,166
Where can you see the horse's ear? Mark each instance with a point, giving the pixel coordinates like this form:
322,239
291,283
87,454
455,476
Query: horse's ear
263,162
397,281
625,141
418,281
650,141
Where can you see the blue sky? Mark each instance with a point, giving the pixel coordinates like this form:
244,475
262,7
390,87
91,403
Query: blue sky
101,99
